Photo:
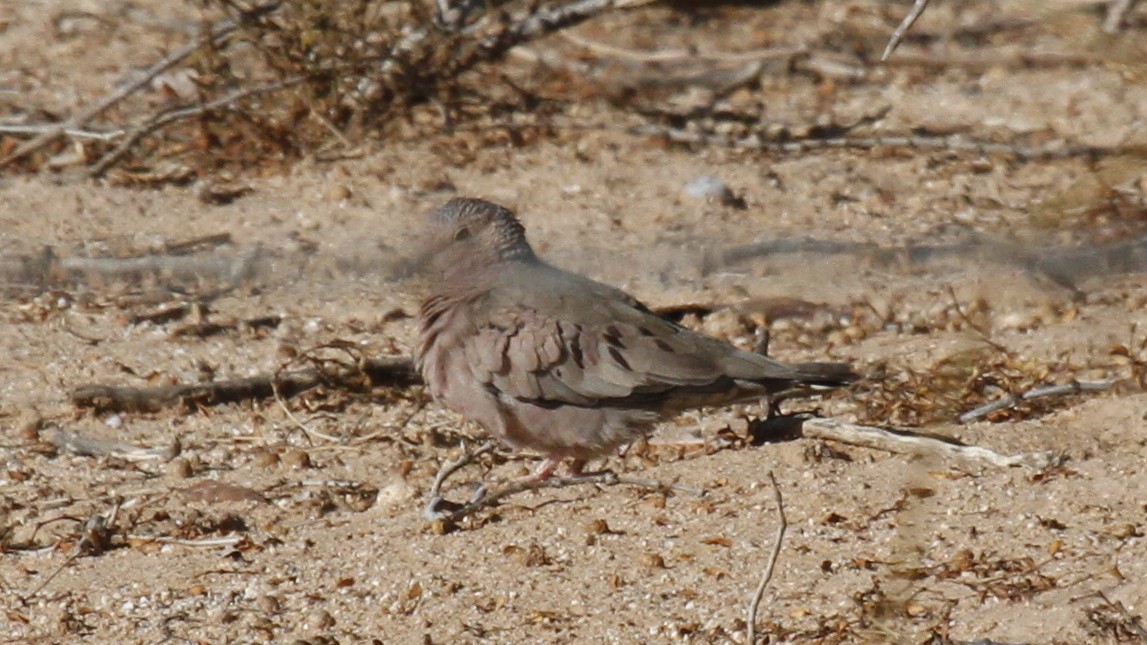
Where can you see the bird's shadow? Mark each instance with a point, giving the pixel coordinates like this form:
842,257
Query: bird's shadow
778,428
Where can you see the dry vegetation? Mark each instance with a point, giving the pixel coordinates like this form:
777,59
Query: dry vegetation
230,408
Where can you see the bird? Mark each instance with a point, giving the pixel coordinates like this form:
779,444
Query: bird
551,361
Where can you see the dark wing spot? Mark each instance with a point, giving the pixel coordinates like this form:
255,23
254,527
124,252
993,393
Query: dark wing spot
664,346
612,336
575,353
645,331
619,358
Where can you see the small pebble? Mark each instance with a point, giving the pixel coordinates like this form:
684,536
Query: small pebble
179,468
265,459
712,188
29,429
296,458
322,619
269,604
653,561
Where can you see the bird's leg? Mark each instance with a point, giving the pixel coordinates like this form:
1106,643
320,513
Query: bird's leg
772,408
544,471
547,468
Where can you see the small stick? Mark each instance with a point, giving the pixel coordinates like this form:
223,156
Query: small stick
882,439
768,572
309,433
199,243
419,406
218,33
55,127
484,498
393,371
95,536
984,334
1074,387
1131,619
160,120
439,508
86,446
906,24
1116,12
228,540
674,55
448,468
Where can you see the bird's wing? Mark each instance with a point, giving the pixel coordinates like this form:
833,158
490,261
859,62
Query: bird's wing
554,338
607,349
532,357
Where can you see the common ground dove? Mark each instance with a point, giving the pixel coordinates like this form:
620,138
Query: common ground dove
552,361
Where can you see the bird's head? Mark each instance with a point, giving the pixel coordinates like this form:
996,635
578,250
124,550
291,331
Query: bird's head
466,235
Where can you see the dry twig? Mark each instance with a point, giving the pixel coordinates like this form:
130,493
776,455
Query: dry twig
899,442
436,502
389,371
767,574
216,36
679,55
173,116
438,508
226,540
77,133
1075,387
1117,10
95,537
87,446
917,10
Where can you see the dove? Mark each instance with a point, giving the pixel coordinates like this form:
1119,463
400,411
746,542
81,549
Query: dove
551,361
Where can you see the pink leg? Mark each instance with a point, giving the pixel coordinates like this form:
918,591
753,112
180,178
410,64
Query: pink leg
547,468
544,471
576,467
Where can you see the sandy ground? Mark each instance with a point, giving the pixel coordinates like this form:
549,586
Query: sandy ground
321,536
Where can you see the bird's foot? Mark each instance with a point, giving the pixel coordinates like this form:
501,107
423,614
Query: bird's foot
545,471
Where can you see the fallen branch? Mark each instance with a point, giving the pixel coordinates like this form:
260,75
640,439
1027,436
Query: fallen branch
1075,387
387,371
767,574
903,443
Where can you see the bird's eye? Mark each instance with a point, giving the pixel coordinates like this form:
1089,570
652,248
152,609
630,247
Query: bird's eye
462,234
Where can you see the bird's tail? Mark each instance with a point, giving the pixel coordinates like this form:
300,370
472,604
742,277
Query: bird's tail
825,376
